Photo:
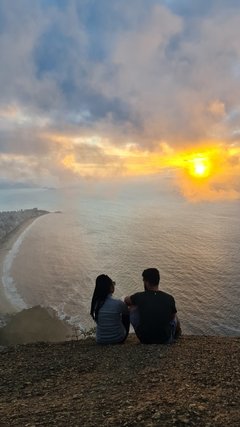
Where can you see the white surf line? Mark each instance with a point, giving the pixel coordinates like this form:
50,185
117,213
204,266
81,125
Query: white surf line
9,285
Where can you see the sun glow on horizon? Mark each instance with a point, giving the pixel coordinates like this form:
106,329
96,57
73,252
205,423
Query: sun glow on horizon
210,173
207,171
200,167
196,164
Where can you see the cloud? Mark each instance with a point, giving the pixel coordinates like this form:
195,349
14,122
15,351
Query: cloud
176,71
99,88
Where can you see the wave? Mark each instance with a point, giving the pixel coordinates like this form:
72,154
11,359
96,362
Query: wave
74,321
229,330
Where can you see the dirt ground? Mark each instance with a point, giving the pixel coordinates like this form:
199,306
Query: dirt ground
194,382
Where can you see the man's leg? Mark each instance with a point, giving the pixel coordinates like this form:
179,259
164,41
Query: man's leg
135,320
134,317
176,331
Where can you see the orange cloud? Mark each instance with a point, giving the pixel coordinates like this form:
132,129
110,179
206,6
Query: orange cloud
9,112
209,171
217,108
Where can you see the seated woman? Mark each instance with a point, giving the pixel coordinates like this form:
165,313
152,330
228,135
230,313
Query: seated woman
111,315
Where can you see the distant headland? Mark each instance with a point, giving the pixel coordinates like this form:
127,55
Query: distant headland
11,220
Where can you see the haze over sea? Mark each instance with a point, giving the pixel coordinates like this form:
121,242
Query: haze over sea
196,246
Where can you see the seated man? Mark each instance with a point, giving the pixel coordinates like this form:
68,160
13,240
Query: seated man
153,312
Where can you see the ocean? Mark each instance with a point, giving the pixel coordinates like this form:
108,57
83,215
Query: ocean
196,246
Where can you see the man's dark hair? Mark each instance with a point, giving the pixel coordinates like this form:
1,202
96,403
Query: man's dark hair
152,276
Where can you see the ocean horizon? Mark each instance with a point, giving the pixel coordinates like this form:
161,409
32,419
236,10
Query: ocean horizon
55,261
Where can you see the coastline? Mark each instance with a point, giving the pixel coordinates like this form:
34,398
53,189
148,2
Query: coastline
6,307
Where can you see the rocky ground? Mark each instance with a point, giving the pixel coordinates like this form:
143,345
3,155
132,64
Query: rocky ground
194,382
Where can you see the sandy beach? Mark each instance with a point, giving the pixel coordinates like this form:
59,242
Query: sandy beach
33,324
5,246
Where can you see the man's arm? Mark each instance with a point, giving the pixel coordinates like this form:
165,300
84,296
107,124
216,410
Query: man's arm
128,300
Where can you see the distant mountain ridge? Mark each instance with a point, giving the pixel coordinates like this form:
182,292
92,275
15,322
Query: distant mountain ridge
16,185
11,185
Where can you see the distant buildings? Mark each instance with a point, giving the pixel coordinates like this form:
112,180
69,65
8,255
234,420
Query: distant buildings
11,220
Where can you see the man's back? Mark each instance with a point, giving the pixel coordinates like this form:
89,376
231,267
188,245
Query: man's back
156,310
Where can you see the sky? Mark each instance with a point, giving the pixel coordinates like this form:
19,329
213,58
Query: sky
118,90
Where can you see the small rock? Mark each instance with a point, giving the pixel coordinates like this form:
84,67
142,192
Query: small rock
156,416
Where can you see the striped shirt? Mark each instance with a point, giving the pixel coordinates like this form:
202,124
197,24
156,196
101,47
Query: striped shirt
110,329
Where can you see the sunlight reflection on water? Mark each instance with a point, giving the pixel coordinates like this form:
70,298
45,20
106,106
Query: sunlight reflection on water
195,247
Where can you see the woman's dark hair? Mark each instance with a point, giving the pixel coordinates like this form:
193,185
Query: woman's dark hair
102,289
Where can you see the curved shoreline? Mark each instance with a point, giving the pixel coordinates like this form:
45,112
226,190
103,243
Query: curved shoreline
6,307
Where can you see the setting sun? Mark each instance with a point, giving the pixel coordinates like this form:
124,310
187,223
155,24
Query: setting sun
196,165
199,167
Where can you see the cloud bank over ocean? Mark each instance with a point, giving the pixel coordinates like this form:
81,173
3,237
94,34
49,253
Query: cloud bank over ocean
100,89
